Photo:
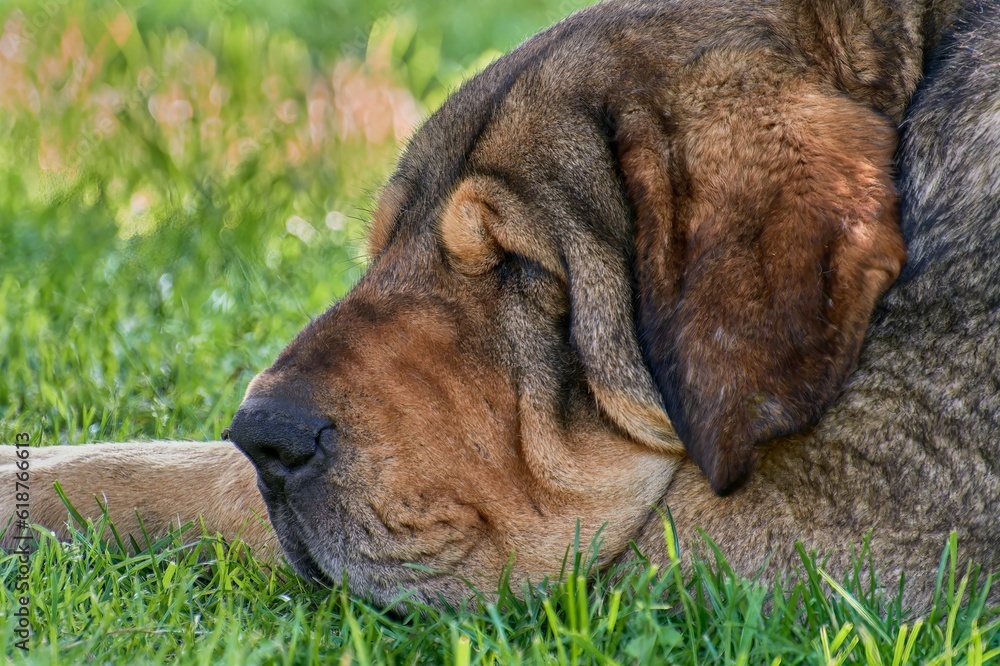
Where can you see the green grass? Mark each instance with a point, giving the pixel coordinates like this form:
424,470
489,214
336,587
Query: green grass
205,601
170,215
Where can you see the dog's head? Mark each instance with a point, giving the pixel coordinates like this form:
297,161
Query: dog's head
571,267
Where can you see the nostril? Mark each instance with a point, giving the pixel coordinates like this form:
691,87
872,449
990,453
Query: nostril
290,459
326,439
276,435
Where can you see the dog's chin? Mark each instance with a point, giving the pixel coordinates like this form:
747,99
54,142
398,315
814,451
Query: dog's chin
325,558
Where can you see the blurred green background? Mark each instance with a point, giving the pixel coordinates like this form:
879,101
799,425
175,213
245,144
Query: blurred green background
184,184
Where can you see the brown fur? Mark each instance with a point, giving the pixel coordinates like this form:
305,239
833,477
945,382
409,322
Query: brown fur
147,480
655,228
758,274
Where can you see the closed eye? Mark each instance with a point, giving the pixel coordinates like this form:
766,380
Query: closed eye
520,266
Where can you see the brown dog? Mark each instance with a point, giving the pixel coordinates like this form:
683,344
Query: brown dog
656,228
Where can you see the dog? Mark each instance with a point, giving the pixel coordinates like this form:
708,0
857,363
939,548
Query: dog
628,266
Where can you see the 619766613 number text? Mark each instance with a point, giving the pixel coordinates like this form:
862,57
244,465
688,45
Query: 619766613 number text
22,536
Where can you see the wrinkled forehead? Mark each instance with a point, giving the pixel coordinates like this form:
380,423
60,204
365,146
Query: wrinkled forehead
553,159
501,104
435,159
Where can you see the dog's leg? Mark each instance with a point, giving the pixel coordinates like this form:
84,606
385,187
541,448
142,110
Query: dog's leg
163,483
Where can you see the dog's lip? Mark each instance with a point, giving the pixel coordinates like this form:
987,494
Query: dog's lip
286,527
387,583
305,565
291,527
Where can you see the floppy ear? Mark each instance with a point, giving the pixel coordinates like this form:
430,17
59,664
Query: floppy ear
596,272
766,229
465,228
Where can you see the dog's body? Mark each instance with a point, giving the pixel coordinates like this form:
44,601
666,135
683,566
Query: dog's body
503,245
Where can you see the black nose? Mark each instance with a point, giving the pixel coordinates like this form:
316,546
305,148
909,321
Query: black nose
278,437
